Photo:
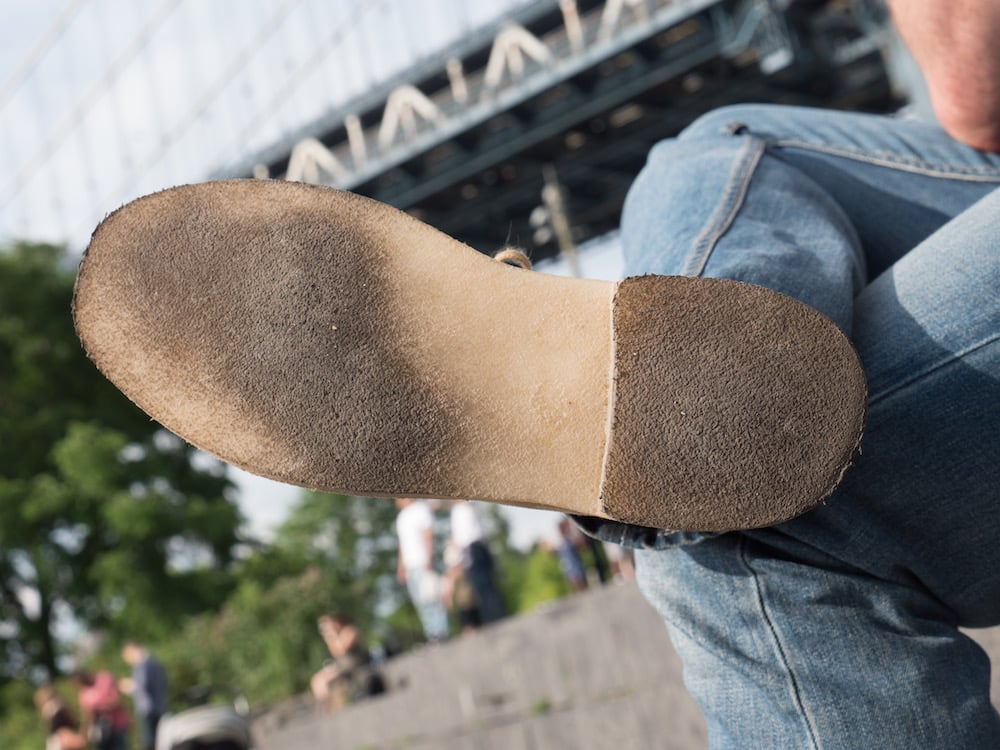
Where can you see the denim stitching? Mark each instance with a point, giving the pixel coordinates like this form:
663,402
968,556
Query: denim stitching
782,656
983,173
732,200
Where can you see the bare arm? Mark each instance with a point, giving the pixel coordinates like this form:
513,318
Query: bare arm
955,44
340,640
71,740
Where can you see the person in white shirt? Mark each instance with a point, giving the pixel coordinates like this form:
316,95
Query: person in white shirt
414,527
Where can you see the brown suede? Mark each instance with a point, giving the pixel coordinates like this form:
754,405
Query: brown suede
247,323
749,404
323,339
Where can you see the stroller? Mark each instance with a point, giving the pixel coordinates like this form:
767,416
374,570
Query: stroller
206,727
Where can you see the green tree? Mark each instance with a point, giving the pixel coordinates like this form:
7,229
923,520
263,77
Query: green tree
21,727
107,521
262,643
532,578
352,541
333,553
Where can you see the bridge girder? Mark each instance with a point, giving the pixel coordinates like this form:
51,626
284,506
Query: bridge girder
591,87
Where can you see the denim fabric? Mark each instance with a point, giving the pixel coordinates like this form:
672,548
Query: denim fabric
839,629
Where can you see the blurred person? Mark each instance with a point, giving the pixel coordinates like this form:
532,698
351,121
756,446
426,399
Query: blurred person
62,729
148,688
595,555
105,721
459,595
349,675
415,566
477,561
567,551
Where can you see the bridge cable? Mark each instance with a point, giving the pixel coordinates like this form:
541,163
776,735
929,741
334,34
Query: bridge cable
204,103
294,79
84,104
35,57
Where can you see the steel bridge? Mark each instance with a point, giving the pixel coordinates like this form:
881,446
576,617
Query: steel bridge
575,92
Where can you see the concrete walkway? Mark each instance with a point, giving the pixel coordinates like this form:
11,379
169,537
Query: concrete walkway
591,672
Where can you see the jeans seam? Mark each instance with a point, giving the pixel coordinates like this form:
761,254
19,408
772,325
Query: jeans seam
794,687
954,357
984,173
725,213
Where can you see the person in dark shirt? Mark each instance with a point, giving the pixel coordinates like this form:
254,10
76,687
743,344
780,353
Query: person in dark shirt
148,687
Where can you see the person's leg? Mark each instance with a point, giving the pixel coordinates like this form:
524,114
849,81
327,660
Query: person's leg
320,683
839,629
150,723
811,203
119,740
481,576
806,202
432,614
805,652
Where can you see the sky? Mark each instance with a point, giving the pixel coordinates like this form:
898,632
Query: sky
102,101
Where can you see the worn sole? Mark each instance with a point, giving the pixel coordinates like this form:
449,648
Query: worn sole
322,339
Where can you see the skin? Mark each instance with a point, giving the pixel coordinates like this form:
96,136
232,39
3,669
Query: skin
339,637
954,43
70,740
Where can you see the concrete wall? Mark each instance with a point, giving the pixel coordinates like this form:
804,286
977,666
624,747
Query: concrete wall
590,672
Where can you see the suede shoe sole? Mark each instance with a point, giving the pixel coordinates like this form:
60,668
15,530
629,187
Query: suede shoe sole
319,338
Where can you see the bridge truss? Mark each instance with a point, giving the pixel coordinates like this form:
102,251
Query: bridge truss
577,90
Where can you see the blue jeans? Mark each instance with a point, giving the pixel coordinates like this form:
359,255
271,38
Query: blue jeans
840,629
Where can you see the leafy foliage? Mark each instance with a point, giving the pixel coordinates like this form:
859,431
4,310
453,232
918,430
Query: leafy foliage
333,554
20,727
106,520
532,578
